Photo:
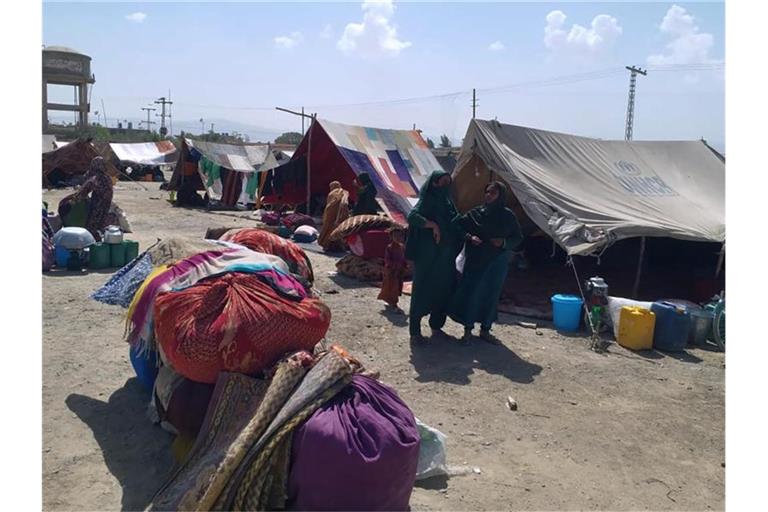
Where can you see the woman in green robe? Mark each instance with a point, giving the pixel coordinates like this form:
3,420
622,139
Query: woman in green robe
491,233
366,196
433,243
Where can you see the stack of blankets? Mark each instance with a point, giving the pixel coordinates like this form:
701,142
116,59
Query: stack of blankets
233,336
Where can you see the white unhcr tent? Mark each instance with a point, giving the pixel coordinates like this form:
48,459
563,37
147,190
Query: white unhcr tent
587,193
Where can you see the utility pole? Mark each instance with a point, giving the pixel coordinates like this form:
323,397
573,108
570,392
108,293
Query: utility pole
202,126
474,103
631,102
633,71
149,123
302,121
163,102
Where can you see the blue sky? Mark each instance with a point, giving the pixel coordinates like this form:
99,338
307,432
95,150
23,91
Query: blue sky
232,63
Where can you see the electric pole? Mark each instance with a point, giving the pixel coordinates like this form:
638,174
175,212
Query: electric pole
202,126
631,102
149,123
163,102
474,103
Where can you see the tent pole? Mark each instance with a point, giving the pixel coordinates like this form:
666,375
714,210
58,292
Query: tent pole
309,165
720,260
636,286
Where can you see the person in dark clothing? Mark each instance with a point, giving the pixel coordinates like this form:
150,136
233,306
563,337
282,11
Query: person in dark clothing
433,243
366,196
491,232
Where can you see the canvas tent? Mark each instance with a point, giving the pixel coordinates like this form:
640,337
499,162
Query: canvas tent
49,143
71,160
145,153
587,193
227,172
398,162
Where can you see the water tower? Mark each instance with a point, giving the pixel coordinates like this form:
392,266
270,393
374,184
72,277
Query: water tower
65,66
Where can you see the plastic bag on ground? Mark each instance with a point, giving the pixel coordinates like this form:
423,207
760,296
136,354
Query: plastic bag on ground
432,460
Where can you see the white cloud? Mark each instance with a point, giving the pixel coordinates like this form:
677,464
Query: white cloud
376,35
290,41
137,17
327,32
496,46
603,31
688,44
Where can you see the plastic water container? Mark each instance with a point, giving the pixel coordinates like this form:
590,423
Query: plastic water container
566,312
62,256
636,326
145,366
131,250
117,254
673,324
701,325
99,256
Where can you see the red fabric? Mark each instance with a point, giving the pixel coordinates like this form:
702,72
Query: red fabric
236,323
263,241
326,165
233,187
369,244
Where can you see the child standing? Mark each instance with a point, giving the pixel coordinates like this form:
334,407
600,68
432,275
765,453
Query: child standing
394,270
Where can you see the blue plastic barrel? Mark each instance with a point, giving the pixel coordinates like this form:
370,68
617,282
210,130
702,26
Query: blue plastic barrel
673,323
62,256
566,312
145,366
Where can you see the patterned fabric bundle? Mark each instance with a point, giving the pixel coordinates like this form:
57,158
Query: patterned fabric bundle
234,322
269,243
359,451
360,223
294,220
366,269
122,286
48,248
188,272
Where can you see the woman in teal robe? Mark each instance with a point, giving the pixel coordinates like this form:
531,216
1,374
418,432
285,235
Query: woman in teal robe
491,232
433,244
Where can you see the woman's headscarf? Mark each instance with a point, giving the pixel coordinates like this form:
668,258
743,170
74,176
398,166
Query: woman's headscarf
334,185
429,188
364,179
490,220
97,166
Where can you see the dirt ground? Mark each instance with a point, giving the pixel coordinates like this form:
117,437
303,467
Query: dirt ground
615,431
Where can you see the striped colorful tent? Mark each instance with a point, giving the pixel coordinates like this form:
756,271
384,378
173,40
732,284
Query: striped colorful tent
227,172
398,162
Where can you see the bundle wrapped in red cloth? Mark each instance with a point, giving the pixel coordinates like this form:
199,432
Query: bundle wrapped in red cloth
235,322
263,241
369,244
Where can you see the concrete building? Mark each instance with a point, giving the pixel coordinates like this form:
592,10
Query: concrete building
65,66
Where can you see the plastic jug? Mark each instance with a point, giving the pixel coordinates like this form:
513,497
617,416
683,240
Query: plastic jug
131,250
673,323
116,255
99,256
636,326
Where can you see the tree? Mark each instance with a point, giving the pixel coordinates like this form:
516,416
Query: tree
445,142
289,138
430,143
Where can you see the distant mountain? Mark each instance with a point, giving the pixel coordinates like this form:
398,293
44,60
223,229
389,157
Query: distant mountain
255,133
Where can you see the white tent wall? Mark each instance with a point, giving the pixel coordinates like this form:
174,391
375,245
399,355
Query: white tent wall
587,194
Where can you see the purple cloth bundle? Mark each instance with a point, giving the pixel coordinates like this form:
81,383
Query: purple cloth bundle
359,451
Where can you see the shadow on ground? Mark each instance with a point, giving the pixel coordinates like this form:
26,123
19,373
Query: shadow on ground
444,359
136,452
